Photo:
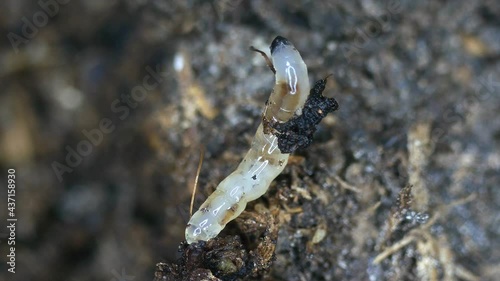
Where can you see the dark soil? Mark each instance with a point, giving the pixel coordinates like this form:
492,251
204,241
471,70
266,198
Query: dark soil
106,105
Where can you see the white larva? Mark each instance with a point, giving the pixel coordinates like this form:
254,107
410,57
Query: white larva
264,161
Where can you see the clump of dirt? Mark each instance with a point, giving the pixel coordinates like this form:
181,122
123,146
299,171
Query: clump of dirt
247,255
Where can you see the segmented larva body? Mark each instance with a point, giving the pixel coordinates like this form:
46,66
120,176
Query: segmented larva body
264,161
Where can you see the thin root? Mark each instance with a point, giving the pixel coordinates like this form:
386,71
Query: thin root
423,230
347,186
202,153
268,61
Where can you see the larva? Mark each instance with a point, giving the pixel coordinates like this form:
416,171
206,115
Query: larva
283,129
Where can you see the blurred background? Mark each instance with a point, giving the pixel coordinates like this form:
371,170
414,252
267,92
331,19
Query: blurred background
105,106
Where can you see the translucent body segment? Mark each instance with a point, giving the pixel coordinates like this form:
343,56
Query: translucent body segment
292,82
264,161
261,165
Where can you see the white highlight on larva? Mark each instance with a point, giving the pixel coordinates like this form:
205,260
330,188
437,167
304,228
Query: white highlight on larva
264,161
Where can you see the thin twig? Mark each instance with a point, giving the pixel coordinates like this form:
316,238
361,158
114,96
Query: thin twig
202,153
268,60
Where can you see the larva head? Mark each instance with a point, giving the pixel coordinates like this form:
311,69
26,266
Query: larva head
279,42
292,82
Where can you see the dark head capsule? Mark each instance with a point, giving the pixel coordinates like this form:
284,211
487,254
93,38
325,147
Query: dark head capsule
278,43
